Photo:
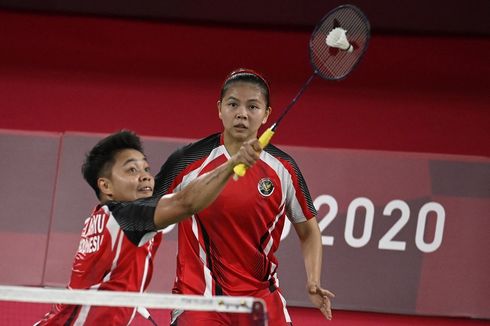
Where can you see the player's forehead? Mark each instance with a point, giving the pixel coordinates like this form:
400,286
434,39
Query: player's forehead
128,156
244,90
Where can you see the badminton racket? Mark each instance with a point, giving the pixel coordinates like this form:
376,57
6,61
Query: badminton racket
337,45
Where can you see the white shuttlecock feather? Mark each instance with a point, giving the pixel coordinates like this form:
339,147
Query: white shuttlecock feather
337,38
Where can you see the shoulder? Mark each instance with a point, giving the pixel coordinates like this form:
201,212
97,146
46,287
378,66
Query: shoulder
282,156
200,148
281,161
135,218
193,151
276,151
301,207
181,159
133,214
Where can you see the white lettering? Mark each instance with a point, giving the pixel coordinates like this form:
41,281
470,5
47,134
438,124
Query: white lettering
90,244
95,225
366,223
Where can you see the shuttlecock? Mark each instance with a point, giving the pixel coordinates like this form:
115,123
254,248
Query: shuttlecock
337,38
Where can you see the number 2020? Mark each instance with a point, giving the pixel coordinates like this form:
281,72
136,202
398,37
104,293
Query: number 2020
386,242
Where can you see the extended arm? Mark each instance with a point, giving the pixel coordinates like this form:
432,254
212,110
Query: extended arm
203,191
311,247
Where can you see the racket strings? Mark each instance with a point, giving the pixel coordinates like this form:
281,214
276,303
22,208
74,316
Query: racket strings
329,62
334,63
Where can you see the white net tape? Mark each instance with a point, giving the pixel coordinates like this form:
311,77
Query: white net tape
129,299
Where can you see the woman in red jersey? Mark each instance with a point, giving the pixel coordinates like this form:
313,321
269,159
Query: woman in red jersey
229,247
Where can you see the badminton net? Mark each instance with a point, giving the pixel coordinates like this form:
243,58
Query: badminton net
26,305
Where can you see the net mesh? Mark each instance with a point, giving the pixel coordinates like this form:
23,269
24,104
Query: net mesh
333,63
27,305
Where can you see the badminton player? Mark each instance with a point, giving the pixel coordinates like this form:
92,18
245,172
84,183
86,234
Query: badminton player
229,248
119,239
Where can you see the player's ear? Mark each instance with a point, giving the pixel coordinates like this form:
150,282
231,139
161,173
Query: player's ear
218,104
105,186
268,112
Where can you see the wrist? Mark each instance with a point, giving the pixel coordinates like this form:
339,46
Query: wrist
310,284
230,164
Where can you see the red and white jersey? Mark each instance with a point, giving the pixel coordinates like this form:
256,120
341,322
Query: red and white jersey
228,248
116,252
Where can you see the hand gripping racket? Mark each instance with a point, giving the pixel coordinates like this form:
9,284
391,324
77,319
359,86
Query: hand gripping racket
337,45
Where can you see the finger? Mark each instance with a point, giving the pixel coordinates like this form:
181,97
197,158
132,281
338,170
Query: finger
256,146
326,311
326,293
321,291
250,157
252,154
328,308
313,288
247,160
250,149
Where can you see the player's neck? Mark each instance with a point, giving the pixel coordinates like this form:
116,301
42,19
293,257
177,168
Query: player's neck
232,144
232,147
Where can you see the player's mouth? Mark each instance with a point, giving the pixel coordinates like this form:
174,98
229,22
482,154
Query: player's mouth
145,189
240,126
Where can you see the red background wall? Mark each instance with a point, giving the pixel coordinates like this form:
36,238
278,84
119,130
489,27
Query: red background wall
410,93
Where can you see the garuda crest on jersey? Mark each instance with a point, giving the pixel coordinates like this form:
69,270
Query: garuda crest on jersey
265,187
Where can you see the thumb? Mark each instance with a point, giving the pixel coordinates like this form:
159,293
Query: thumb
313,288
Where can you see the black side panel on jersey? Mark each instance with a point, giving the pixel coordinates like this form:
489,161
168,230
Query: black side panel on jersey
181,159
276,152
135,218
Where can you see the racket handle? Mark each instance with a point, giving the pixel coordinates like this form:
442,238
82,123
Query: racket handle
264,139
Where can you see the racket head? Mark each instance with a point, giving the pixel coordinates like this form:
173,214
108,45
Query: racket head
333,63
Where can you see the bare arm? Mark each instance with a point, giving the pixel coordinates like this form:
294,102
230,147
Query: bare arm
311,247
203,191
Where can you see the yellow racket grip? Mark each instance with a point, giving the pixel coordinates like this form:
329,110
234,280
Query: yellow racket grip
264,139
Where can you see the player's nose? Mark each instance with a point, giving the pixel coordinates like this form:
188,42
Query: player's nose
146,176
241,112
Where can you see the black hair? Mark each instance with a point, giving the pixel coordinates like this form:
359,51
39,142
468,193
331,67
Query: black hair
248,76
99,161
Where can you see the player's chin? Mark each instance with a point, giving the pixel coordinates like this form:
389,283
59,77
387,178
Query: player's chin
144,194
242,135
